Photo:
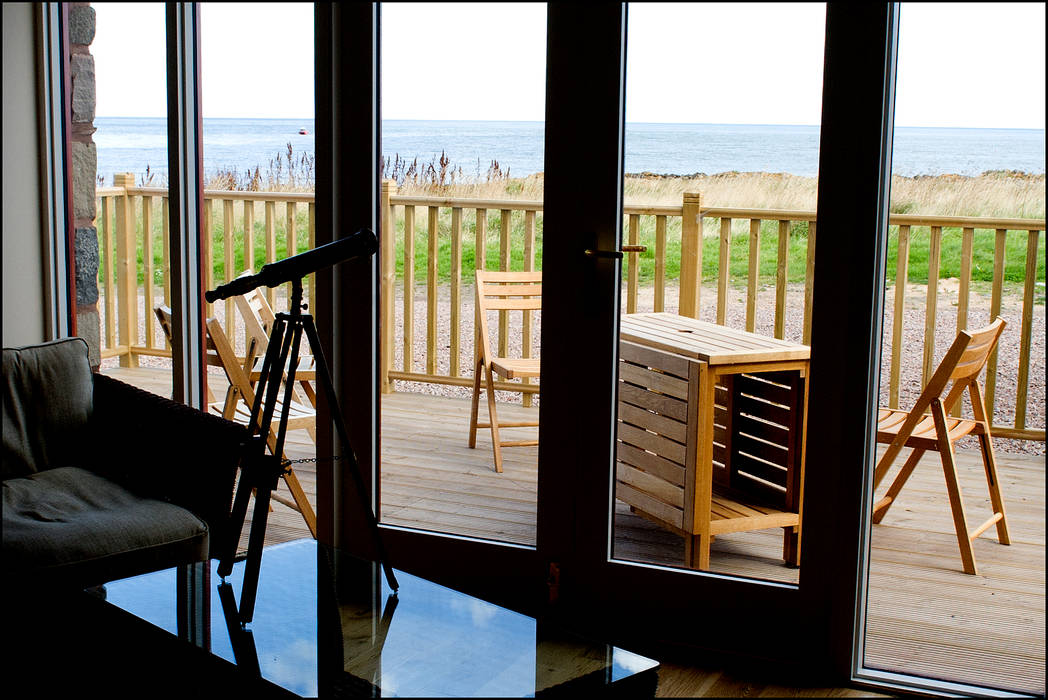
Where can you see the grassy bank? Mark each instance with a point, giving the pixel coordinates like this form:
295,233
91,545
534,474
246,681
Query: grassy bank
1003,194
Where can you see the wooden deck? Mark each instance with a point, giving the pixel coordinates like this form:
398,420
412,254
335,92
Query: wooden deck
924,615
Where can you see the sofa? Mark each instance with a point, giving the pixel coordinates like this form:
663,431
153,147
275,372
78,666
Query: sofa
103,480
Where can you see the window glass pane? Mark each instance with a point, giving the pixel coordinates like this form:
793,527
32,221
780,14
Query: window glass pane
258,149
723,106
463,103
968,148
129,104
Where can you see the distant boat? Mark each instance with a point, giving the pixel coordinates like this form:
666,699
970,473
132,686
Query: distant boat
303,131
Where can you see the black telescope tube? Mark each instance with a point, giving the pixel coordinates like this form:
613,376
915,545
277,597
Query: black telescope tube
355,245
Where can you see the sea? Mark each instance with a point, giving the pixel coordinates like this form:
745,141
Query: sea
135,144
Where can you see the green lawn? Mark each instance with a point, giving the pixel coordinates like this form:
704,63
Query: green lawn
982,263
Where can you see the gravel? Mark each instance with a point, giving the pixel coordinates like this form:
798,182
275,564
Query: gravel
912,342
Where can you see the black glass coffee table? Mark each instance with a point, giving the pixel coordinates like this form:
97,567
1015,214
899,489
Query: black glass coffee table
326,625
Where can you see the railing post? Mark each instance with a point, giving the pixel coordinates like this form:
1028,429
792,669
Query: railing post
690,255
387,270
126,270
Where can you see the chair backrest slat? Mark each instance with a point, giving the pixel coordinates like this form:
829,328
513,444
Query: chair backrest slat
512,304
257,314
978,350
962,363
524,289
503,276
163,315
505,291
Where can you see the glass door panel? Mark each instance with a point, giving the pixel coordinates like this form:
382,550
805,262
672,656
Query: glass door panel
720,189
957,262
462,191
131,142
260,207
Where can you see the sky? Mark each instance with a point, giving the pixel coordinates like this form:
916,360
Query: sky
979,65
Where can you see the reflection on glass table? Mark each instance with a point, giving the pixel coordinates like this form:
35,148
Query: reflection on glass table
326,624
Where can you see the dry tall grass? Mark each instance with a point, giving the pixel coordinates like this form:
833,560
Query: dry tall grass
996,193
1011,195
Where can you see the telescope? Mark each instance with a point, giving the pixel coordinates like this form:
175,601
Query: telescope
361,244
260,472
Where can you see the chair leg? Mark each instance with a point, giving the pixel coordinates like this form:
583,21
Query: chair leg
476,404
990,465
989,461
495,442
881,507
949,466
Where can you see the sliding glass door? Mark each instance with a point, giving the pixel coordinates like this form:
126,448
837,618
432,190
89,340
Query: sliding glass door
813,622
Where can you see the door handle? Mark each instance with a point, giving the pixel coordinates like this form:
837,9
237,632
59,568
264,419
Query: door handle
616,254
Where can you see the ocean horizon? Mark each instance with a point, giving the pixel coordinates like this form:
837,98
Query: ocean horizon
131,144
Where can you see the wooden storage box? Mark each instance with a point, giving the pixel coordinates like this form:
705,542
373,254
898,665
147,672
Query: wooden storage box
757,448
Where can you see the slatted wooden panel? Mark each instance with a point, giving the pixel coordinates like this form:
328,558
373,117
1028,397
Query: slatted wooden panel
655,455
765,435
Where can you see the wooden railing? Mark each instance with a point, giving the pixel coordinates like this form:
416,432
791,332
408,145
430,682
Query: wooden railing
129,328
453,225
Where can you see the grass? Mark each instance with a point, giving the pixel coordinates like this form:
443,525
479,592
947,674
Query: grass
982,263
797,243
302,243
993,194
996,193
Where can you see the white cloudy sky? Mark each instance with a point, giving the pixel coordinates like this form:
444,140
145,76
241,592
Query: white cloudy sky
964,64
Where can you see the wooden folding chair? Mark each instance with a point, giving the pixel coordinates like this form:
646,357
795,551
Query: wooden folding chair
258,321
299,416
236,406
163,316
498,291
928,426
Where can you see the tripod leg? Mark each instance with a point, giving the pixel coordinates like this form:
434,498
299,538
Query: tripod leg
254,448
236,518
324,380
269,467
256,541
290,478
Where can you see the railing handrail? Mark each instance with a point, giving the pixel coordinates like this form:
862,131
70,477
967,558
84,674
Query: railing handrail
465,202
980,222
763,214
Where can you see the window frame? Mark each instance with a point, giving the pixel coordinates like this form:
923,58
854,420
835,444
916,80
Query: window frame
57,171
186,201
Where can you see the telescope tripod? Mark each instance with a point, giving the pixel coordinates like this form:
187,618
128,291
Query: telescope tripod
261,472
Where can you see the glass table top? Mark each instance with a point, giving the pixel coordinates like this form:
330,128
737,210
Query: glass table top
324,621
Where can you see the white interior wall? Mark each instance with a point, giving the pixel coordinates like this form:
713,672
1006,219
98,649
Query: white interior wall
24,286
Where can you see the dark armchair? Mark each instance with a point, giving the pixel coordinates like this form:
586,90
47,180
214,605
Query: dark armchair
103,480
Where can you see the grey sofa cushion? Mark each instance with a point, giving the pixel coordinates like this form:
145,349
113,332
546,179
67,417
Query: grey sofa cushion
47,392
79,527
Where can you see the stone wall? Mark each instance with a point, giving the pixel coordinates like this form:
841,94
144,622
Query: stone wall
85,166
